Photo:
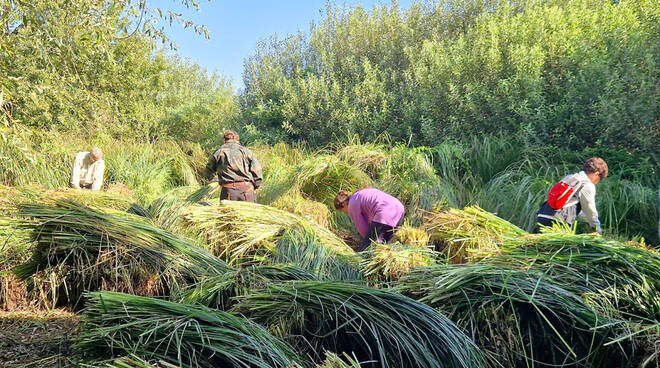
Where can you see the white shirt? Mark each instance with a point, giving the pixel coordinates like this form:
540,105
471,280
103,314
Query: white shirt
587,198
86,173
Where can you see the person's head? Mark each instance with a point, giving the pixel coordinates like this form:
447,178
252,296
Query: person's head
596,169
231,135
341,201
95,154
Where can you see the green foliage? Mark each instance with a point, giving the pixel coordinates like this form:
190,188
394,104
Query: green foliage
93,66
568,73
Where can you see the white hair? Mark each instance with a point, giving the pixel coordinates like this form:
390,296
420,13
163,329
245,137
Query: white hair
96,153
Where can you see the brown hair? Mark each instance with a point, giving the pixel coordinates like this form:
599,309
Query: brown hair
341,199
230,134
596,165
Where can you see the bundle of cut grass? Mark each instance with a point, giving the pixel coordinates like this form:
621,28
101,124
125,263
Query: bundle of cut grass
220,291
524,317
333,360
90,198
14,249
472,233
378,325
167,211
243,231
389,262
303,249
91,250
321,177
626,278
409,175
408,234
182,334
367,157
131,361
15,244
312,211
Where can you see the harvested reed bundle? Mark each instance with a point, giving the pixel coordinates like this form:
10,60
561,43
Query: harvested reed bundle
302,248
379,325
523,317
409,175
312,211
90,198
15,245
408,234
321,177
624,277
132,361
243,231
181,334
472,233
333,360
219,291
92,250
367,157
168,209
12,197
389,262
120,189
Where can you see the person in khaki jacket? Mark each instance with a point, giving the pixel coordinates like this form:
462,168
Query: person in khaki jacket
236,168
87,171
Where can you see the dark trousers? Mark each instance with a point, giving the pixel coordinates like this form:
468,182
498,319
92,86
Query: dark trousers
245,194
376,230
566,215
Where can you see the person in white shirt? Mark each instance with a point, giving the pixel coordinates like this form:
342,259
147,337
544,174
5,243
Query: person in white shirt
87,171
583,201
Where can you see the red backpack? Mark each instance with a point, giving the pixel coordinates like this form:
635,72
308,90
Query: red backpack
562,192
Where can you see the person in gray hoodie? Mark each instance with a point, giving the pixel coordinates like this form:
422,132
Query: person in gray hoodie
582,202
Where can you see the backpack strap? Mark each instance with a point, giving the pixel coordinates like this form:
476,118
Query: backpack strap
577,185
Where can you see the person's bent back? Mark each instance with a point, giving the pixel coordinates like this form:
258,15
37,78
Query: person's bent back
87,170
580,200
375,214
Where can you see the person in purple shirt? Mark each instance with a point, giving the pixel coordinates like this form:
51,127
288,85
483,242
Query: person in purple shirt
375,214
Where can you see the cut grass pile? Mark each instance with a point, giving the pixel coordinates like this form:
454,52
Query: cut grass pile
471,233
389,262
85,250
520,316
242,231
375,324
181,334
292,291
312,211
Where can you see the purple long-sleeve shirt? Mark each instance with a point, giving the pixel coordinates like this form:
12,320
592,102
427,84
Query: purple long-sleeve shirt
371,205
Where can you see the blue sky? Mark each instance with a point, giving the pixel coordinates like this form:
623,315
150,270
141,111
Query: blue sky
236,26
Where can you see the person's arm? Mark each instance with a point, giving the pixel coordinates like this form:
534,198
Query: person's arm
97,175
588,203
360,222
211,168
255,170
372,236
75,172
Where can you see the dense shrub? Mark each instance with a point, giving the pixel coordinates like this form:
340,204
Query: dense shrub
568,73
